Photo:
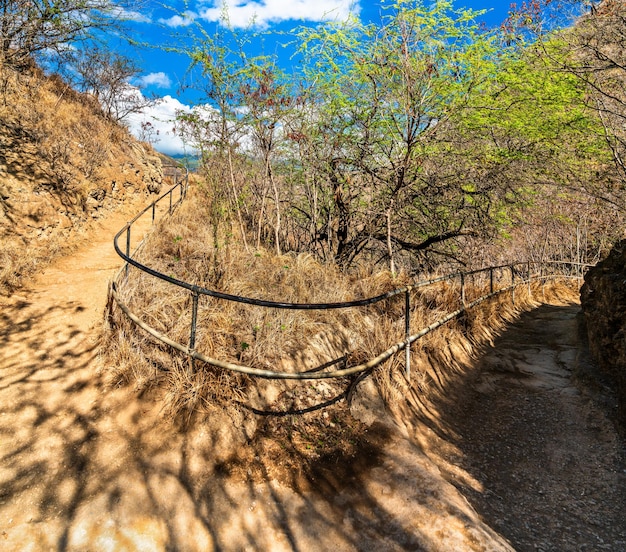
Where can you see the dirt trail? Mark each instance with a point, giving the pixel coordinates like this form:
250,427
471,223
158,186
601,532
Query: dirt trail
87,468
552,467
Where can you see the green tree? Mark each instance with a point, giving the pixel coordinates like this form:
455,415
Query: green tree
570,112
383,97
597,46
593,50
214,127
266,101
534,131
405,140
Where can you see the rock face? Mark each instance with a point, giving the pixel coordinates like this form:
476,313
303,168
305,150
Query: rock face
603,300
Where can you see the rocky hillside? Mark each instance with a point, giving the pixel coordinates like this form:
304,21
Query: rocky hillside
603,299
62,164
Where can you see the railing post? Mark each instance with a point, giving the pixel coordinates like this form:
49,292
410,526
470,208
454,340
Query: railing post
194,322
407,333
127,247
153,211
513,284
462,289
170,210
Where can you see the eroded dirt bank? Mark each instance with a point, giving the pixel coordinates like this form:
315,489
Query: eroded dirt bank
551,466
83,467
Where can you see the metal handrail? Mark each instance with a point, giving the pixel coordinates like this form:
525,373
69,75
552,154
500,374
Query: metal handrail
409,338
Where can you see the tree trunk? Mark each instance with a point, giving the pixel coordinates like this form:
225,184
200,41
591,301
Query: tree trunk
270,176
235,201
392,267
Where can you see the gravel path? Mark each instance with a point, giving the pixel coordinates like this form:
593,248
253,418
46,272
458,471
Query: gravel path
551,463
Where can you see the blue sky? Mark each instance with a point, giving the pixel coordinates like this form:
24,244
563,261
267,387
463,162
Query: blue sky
164,72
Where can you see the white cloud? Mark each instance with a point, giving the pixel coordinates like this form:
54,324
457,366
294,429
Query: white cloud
180,20
129,15
160,79
162,118
263,12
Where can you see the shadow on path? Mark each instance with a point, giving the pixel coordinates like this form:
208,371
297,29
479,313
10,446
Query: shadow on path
551,467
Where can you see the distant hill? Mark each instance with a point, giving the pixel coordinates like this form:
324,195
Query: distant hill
192,162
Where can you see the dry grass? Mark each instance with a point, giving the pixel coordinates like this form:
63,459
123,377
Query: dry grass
243,333
15,264
289,443
187,247
275,339
56,138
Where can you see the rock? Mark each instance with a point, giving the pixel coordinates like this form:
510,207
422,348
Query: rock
148,168
603,301
91,204
367,405
98,194
154,187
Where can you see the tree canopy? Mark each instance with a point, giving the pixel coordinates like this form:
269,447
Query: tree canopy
28,29
408,139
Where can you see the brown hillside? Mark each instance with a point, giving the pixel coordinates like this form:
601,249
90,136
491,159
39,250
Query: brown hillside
62,164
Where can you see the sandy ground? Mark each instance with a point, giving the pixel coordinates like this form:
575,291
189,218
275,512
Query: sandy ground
84,467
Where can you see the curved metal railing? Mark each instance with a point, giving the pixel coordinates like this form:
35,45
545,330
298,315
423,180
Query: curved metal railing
520,274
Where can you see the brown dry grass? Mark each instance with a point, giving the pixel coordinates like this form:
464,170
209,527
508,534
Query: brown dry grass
187,247
297,435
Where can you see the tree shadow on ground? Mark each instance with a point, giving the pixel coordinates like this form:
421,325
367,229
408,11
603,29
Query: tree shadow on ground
84,466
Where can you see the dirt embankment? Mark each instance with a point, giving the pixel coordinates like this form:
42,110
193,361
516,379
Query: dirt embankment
603,298
63,164
84,467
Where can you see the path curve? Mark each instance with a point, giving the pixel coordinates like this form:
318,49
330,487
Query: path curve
88,468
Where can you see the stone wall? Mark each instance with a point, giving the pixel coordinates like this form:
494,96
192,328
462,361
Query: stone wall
603,300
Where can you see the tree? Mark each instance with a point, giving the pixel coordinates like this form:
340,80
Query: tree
266,100
29,28
382,96
214,128
593,50
107,75
403,141
598,45
536,130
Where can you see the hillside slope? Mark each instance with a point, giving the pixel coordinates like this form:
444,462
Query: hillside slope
62,164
